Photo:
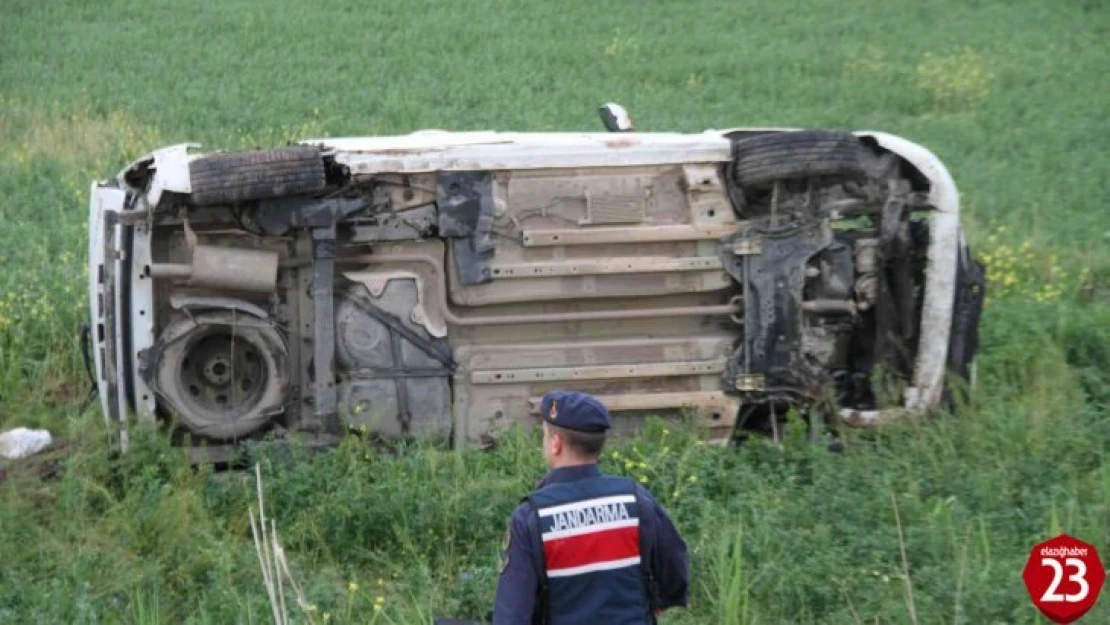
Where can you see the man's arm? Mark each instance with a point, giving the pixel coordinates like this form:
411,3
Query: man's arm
518,583
670,566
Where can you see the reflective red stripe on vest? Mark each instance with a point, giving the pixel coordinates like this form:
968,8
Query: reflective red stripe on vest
597,534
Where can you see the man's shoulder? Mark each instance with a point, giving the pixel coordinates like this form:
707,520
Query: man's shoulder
522,514
645,495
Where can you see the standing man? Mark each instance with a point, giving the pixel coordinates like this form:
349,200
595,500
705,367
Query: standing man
586,547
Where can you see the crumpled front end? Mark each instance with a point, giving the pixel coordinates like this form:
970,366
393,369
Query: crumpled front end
120,289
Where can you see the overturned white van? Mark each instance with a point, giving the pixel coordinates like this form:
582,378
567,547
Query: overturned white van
436,284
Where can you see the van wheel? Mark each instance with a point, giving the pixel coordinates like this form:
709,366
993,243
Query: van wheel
220,377
256,175
771,157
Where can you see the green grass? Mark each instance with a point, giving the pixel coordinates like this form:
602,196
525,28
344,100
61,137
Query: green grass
1011,95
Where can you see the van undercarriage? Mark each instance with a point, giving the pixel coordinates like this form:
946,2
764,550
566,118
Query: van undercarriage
435,285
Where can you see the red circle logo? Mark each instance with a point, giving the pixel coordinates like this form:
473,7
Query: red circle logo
1064,577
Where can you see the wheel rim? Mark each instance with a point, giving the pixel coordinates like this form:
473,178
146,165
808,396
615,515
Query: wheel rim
222,375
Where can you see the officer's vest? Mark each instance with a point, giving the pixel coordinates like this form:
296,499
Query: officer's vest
591,553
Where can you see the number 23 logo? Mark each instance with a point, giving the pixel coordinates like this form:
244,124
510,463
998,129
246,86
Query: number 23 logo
1079,577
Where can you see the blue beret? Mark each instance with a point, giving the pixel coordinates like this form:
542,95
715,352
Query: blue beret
575,411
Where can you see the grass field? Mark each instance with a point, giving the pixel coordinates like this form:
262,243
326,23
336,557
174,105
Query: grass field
1012,95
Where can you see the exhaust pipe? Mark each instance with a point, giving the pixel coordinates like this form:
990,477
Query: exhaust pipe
224,268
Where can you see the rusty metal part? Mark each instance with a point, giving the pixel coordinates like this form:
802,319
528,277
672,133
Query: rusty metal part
224,268
867,285
602,266
597,372
737,317
830,306
721,310
867,291
865,255
637,234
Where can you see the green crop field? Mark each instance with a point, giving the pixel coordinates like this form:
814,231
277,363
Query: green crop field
1013,95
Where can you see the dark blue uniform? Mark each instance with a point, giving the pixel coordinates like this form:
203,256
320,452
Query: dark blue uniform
585,547
663,564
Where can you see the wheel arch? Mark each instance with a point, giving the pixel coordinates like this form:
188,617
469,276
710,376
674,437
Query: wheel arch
945,243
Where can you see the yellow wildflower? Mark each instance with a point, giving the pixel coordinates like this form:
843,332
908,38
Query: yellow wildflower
352,587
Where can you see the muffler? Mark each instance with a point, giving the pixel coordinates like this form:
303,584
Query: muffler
224,268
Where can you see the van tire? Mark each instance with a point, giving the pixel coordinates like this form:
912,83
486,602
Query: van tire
767,158
177,346
256,175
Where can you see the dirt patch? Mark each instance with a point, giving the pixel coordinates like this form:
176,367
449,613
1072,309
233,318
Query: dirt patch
43,466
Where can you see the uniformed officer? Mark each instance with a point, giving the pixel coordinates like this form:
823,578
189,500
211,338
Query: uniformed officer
585,547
